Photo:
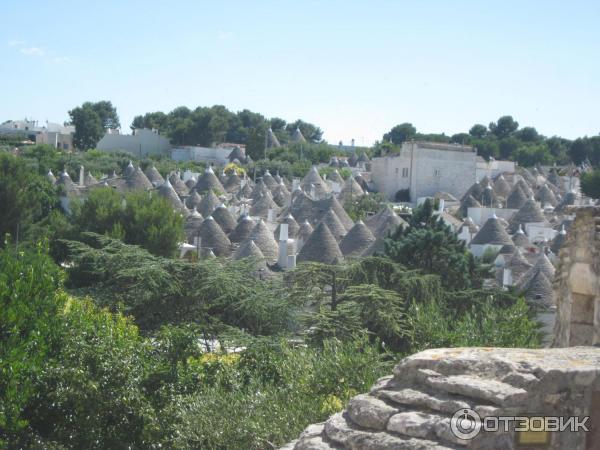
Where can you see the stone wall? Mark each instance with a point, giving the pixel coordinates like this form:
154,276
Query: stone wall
576,282
420,406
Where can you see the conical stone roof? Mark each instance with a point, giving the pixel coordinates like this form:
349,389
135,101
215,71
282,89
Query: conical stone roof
545,196
525,187
224,218
246,191
166,190
351,190
269,180
242,230
313,180
518,265
539,291
262,206
474,191
542,264
530,212
154,176
335,226
192,225
501,187
208,204
263,238
492,233
178,184
250,250
358,239
520,239
193,201
383,222
272,140
517,198
281,195
214,238
468,202
233,182
320,247
297,136
137,180
208,181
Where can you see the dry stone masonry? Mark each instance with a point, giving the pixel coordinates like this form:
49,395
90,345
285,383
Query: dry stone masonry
577,284
413,408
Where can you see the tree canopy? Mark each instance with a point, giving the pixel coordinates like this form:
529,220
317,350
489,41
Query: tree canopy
91,120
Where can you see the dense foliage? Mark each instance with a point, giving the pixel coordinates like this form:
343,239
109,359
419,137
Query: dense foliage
91,120
590,183
429,245
139,218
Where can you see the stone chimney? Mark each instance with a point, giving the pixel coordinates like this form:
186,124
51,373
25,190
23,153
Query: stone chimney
577,282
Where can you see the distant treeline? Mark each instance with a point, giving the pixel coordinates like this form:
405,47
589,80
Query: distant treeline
504,139
207,125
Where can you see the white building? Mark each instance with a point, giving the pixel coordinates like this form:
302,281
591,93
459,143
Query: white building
141,143
425,168
214,155
54,134
493,167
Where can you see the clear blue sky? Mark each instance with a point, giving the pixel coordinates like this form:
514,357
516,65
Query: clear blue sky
355,68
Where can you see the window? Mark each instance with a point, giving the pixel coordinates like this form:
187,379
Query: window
405,172
437,173
397,170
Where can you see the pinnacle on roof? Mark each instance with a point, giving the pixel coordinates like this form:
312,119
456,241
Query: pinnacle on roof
321,247
305,230
50,176
265,241
520,239
492,232
358,239
268,180
129,169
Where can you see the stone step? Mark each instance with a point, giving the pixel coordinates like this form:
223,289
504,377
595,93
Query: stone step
439,402
342,431
488,390
423,425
